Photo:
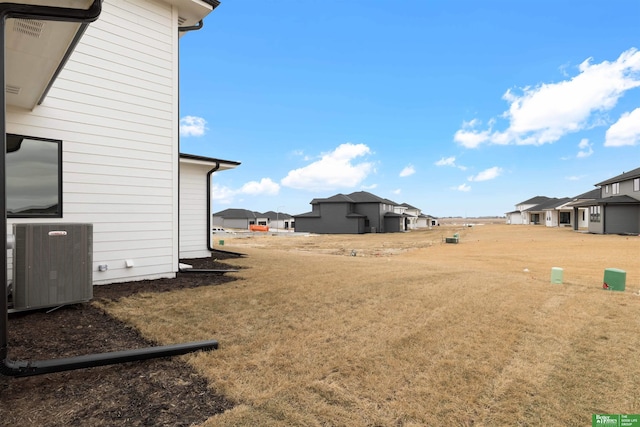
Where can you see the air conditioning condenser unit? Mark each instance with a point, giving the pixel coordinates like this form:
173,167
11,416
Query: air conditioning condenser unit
52,265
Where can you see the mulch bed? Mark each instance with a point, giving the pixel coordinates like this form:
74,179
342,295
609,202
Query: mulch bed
156,392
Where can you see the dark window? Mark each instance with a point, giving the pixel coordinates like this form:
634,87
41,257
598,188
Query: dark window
34,177
535,218
565,217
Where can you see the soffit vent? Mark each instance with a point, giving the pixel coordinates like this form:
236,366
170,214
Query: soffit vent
181,20
28,27
15,90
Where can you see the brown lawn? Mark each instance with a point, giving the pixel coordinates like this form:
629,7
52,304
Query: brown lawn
411,331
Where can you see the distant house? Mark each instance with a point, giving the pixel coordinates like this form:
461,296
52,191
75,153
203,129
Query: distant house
617,209
580,212
519,216
355,213
557,213
430,221
280,221
238,218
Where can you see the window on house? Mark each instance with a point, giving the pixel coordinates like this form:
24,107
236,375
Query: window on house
535,218
636,184
615,188
565,217
34,177
606,189
594,214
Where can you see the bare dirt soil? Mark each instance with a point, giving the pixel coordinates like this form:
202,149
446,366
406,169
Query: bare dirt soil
158,392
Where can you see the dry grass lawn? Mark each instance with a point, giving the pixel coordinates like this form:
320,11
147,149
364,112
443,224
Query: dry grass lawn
411,331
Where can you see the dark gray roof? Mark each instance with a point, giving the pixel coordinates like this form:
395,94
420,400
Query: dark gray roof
366,197
534,200
338,198
275,215
237,214
592,194
408,206
355,197
615,200
622,177
549,204
307,215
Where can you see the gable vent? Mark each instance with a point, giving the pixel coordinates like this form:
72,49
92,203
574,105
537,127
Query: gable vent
28,27
15,90
181,20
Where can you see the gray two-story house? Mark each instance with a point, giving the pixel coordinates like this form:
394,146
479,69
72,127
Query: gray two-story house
617,211
356,213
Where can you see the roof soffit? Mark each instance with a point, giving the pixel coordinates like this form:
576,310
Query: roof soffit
35,50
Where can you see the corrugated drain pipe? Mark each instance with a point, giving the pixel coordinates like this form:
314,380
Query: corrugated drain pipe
27,368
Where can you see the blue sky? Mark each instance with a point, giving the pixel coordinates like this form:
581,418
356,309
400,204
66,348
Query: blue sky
459,108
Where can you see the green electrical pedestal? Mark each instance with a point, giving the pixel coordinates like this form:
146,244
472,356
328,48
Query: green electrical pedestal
556,275
614,279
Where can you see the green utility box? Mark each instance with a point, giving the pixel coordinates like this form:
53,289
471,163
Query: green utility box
556,275
221,242
614,279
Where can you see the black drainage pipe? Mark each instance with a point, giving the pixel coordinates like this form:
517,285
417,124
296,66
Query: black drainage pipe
206,270
25,368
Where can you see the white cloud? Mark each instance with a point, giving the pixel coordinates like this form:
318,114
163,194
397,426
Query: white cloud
575,177
265,187
336,169
397,191
626,131
463,187
470,138
369,187
222,195
546,112
449,161
487,174
586,148
192,126
407,171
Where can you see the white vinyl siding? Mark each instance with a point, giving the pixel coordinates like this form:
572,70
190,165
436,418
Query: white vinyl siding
115,108
193,210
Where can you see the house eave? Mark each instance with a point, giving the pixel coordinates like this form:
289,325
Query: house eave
37,50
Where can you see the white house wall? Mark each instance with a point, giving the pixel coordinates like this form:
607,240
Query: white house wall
115,107
193,208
